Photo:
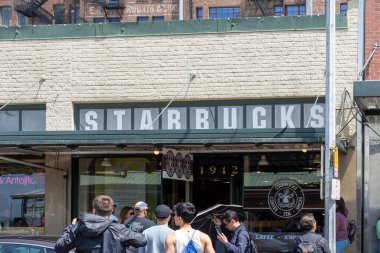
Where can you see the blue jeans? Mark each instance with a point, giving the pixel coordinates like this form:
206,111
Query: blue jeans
341,246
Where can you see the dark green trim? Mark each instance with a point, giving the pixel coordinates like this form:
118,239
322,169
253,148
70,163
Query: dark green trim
201,103
174,27
274,135
75,188
24,107
367,89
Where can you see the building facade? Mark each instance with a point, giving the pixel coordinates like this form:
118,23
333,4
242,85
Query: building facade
33,12
219,97
366,93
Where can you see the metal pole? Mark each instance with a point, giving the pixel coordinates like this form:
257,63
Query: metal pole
330,222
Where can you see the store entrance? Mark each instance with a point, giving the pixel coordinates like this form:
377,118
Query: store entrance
209,192
217,180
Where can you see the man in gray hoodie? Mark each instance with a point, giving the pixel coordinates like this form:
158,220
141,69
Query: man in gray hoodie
95,233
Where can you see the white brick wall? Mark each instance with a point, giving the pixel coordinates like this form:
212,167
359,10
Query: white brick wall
154,68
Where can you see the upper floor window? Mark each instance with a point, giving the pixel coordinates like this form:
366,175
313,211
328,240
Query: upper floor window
279,10
98,20
74,13
142,19
5,15
59,14
343,9
229,12
23,119
158,18
21,19
199,13
295,10
113,20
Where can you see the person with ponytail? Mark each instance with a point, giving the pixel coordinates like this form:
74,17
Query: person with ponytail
341,226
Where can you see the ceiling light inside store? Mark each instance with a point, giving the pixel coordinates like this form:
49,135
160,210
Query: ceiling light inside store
263,161
106,163
304,148
156,151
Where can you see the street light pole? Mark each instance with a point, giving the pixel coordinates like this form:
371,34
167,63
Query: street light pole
330,222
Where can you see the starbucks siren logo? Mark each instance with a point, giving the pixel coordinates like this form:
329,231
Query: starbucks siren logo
286,199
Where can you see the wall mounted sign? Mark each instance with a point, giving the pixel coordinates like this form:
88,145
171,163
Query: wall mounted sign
286,198
177,165
217,171
149,9
184,117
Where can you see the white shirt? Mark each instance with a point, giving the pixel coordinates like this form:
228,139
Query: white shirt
183,238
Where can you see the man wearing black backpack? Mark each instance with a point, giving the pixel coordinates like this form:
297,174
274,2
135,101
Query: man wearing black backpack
309,241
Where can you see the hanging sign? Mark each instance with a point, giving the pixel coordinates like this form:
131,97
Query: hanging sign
177,165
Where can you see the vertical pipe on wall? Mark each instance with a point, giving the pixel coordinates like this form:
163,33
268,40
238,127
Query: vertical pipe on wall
180,10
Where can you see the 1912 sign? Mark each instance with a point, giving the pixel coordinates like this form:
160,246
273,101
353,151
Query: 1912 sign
216,171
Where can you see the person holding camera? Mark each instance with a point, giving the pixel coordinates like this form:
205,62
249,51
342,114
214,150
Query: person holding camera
235,237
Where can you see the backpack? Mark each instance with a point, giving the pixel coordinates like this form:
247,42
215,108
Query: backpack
351,230
307,247
252,247
190,247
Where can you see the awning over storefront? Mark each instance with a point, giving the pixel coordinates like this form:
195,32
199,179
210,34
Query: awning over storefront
218,136
367,96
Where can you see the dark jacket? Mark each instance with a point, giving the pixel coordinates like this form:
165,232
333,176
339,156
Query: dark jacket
310,236
96,234
238,240
138,224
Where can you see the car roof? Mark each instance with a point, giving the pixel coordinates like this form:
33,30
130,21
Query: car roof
40,240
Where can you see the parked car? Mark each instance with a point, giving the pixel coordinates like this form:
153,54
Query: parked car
27,244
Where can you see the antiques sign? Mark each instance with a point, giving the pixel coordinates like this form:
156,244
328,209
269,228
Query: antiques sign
177,165
148,9
202,117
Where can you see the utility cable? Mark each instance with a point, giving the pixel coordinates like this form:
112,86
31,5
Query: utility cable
43,79
191,78
308,122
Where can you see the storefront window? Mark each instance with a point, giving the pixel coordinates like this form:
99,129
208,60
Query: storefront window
278,189
281,189
22,200
126,179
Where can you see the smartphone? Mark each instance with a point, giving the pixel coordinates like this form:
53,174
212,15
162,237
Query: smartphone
218,230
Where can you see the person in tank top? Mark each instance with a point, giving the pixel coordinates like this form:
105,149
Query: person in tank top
176,242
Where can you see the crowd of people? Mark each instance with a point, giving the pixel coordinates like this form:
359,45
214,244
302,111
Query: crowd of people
102,232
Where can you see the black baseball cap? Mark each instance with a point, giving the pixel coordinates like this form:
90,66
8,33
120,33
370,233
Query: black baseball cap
162,211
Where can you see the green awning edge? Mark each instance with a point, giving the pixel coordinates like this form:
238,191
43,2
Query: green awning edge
172,27
216,136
